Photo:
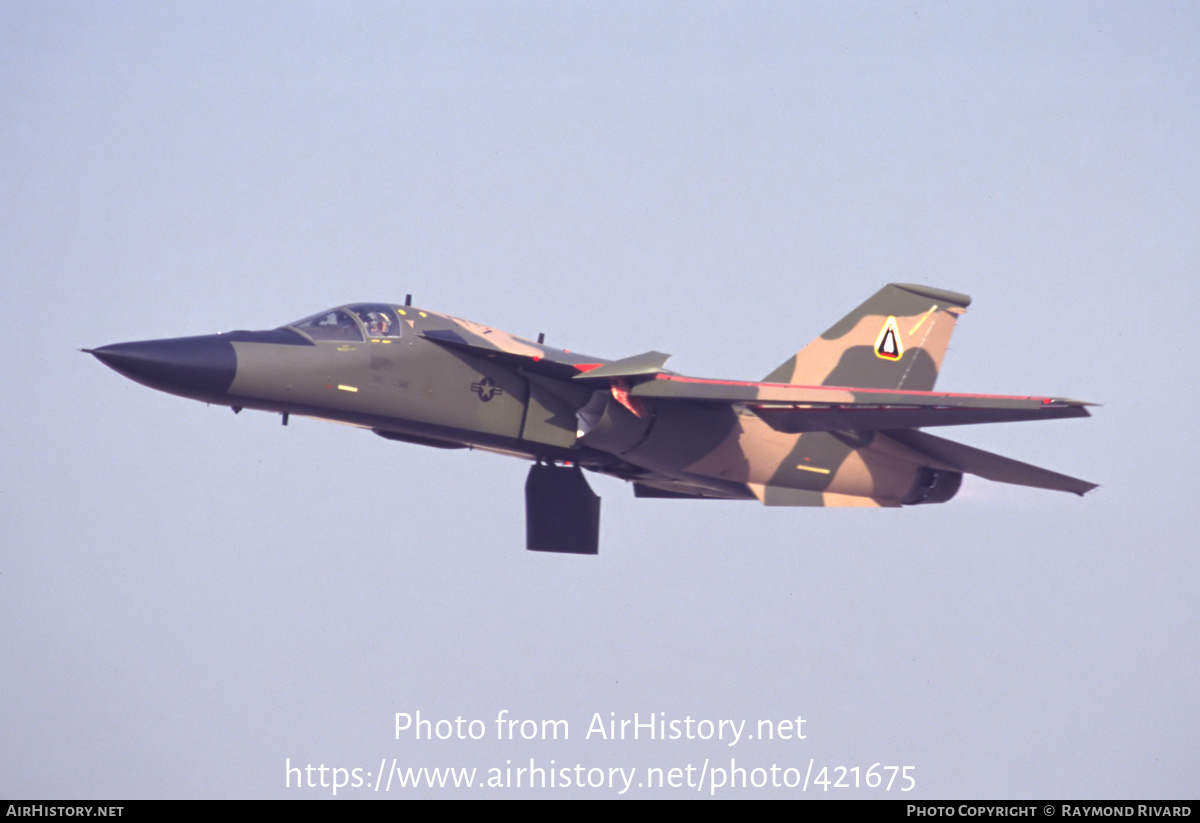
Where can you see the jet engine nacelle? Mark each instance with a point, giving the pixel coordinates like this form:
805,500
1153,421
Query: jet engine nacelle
606,425
933,486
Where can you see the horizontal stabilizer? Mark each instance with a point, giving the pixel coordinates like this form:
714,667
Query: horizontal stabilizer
987,465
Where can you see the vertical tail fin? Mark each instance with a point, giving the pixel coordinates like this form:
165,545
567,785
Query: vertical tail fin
895,340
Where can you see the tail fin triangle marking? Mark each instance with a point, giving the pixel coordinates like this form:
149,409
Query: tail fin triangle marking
888,345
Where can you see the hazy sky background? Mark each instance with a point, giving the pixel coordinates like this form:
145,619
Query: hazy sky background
188,598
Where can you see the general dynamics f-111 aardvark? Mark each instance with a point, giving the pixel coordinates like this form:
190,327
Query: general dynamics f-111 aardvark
840,423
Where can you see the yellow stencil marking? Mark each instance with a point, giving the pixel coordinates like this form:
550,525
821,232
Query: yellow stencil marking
887,344
813,469
924,317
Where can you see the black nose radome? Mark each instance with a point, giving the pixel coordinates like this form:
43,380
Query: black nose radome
201,367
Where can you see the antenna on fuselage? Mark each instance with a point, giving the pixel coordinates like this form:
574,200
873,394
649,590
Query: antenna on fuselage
408,299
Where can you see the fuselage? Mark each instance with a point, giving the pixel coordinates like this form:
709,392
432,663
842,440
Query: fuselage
419,376
839,423
348,366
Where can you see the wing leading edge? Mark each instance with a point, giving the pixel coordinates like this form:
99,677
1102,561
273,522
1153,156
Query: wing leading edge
796,409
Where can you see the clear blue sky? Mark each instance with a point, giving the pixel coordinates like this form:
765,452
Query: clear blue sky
189,599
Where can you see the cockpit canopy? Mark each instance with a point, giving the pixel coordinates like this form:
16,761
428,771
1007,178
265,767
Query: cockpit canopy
350,323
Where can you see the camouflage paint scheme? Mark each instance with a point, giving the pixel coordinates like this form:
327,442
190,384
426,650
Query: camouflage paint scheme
837,424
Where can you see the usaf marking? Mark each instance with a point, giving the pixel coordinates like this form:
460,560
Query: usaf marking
486,389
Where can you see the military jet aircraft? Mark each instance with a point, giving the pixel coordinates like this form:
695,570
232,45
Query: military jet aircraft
840,423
